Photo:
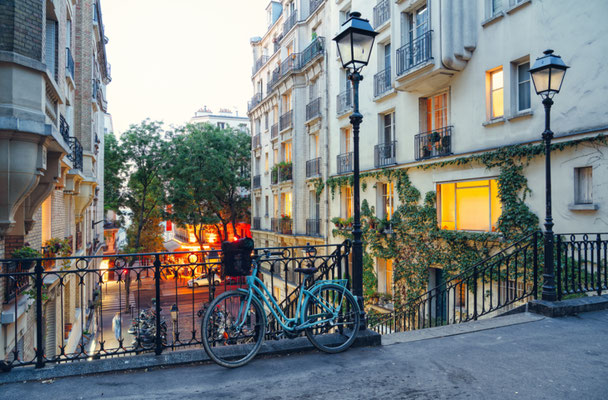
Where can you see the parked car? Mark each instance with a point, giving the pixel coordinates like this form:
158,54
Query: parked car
203,280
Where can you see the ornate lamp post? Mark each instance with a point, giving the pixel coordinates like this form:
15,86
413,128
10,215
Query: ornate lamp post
355,42
547,75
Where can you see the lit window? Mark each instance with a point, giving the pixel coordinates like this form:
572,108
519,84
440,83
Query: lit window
266,163
286,200
523,86
385,275
287,152
388,202
583,184
469,205
437,112
496,88
347,205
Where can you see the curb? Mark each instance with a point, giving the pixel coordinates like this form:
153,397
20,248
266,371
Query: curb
554,309
128,363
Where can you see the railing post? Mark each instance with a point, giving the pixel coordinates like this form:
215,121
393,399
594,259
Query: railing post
38,282
159,343
474,292
559,267
599,264
535,269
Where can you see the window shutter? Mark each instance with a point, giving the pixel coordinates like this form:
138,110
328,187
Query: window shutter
51,46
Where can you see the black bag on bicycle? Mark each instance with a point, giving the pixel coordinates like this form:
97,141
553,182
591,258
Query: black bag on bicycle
237,257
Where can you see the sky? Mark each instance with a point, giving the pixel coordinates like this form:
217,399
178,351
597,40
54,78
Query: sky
170,58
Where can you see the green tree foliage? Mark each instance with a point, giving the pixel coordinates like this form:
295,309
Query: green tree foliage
114,173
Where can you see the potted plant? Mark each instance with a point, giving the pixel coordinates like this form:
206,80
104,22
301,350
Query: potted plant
58,248
374,297
387,298
445,143
435,137
26,253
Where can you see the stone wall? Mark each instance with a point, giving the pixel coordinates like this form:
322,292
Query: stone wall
34,237
59,215
21,27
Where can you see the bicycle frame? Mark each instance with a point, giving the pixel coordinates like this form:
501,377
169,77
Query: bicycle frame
283,320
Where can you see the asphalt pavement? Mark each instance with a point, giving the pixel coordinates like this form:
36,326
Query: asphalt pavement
560,358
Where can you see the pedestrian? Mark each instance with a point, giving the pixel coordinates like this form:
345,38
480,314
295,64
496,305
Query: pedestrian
116,326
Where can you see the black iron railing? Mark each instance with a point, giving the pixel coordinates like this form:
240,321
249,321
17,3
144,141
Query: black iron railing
285,226
69,62
64,129
384,154
255,141
344,102
255,100
285,120
508,278
257,223
313,227
345,163
259,63
285,172
75,154
313,109
289,64
274,131
382,13
415,53
257,181
313,5
382,82
274,224
95,89
435,143
290,22
581,264
93,307
316,47
313,167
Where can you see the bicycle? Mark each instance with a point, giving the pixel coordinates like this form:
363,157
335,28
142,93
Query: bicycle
234,324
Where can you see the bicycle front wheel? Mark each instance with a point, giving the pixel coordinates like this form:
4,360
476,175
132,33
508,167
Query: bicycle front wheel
232,332
332,334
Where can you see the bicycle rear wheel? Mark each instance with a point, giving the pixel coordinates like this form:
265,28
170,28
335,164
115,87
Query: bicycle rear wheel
332,335
224,341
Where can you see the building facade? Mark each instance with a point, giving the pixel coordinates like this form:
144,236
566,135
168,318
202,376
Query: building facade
54,68
225,118
446,81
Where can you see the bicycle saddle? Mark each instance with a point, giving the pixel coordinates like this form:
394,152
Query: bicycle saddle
307,271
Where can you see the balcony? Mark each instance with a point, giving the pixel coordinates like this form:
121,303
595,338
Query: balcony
17,283
313,109
259,63
78,240
313,5
285,226
384,154
313,227
69,63
255,100
345,163
256,141
256,223
75,154
274,224
274,131
382,13
257,182
382,82
64,129
313,167
344,102
290,22
435,143
414,53
284,171
95,89
285,120
316,47
289,64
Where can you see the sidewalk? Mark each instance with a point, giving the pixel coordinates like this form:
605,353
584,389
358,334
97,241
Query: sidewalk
544,358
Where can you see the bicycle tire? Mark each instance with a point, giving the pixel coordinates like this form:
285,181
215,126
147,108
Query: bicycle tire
345,332
218,333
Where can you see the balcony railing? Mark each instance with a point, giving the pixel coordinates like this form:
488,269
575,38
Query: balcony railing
64,129
274,224
69,62
313,5
257,223
285,226
313,167
344,101
382,82
384,154
313,227
313,109
316,47
95,88
433,143
285,172
255,141
290,22
285,120
345,163
75,154
417,52
257,181
255,100
14,285
289,64
382,13
274,131
259,63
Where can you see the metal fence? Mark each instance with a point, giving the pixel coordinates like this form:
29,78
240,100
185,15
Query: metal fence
433,143
414,53
382,82
385,154
581,263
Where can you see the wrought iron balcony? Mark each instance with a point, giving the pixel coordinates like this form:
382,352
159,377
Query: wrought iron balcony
274,224
415,53
384,154
255,100
313,5
64,129
382,13
382,82
285,226
290,22
285,172
289,64
20,281
285,120
274,131
255,141
345,163
257,223
95,89
433,143
315,48
259,63
344,101
313,167
313,227
69,62
257,181
313,109
75,154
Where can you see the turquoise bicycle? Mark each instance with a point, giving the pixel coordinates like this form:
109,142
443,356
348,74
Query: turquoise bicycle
234,324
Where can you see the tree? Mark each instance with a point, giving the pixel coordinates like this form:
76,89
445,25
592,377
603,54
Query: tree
114,160
207,173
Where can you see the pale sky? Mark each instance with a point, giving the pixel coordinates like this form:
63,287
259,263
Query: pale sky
169,58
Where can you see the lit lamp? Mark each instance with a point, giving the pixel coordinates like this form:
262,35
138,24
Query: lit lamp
174,318
355,42
547,75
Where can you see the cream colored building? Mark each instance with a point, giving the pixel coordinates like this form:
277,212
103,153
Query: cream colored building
53,73
224,118
446,79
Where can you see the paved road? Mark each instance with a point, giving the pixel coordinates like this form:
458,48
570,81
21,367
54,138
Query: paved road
563,358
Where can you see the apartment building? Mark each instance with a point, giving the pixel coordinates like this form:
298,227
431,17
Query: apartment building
53,74
223,119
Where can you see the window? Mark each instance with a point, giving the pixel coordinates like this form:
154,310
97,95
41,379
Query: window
286,152
385,275
275,156
436,112
275,205
257,165
258,126
257,207
286,203
469,205
387,58
495,86
314,202
583,185
266,121
386,206
266,163
496,6
51,47
266,206
222,125
313,146
286,106
387,128
347,202
345,143
523,86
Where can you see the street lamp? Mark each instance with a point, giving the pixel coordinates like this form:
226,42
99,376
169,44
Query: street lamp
547,75
174,318
355,42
